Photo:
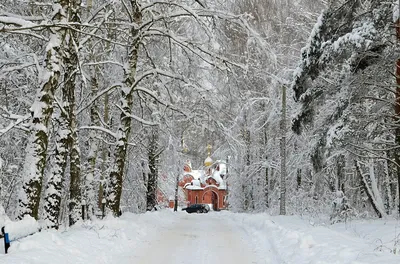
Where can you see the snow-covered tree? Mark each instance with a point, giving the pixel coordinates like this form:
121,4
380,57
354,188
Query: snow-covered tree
344,104
41,111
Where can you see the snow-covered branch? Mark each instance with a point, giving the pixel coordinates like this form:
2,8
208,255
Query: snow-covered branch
186,12
159,100
101,129
19,120
111,88
6,71
195,49
140,120
373,153
104,62
17,21
96,28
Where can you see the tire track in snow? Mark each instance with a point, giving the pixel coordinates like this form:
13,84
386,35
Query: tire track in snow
261,241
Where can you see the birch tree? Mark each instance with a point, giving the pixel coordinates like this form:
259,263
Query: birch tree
69,90
116,175
154,156
66,139
41,111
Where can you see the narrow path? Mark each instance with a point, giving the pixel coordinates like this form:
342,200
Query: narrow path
199,239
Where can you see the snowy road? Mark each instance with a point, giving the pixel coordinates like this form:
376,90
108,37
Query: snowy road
199,239
225,237
167,237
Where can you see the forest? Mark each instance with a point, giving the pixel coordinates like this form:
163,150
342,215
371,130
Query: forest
102,101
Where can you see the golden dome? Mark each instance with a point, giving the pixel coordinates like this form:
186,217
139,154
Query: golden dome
208,162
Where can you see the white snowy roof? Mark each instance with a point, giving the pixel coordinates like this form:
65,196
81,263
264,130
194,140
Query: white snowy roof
193,187
222,167
196,174
196,183
217,176
199,177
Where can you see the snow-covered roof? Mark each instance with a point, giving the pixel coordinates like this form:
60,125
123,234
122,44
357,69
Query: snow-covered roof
222,167
193,187
217,176
196,183
200,177
196,174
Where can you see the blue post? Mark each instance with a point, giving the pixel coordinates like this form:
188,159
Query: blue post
6,240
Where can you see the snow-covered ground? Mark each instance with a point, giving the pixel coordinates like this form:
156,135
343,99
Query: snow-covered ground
218,237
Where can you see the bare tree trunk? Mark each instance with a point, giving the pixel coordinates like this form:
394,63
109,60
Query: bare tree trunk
66,139
340,174
397,113
298,179
42,109
176,192
53,193
368,191
282,206
247,181
266,186
151,195
71,66
106,149
386,188
89,193
104,156
116,175
75,196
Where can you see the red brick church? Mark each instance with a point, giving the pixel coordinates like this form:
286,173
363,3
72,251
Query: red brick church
205,186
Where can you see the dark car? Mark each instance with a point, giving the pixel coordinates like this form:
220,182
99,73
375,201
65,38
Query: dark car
197,208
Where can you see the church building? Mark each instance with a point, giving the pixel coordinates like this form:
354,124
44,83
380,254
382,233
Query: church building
205,186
